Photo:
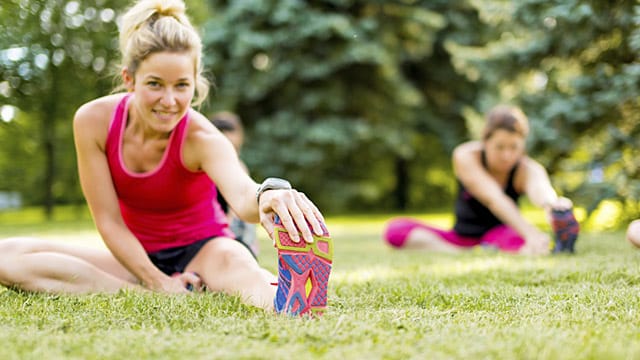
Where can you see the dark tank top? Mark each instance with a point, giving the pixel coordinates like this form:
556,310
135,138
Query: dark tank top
474,219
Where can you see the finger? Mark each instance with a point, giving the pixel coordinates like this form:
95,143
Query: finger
191,281
195,280
278,202
288,223
267,223
563,203
312,213
305,218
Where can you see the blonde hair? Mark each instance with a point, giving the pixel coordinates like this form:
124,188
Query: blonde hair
152,26
508,118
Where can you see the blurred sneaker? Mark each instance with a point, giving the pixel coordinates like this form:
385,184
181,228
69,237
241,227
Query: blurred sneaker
565,230
303,272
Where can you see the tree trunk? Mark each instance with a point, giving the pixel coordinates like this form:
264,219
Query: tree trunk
401,192
49,113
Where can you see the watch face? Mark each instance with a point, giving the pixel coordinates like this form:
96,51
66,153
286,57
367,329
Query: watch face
280,184
273,184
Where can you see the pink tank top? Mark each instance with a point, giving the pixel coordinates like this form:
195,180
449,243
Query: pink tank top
169,206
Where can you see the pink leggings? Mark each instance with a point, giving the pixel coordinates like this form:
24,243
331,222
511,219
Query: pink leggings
501,237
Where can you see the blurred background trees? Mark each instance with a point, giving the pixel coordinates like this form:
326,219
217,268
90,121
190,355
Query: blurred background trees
358,103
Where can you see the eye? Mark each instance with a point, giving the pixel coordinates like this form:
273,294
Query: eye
153,83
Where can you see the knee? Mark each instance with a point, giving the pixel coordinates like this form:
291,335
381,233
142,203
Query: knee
11,247
231,255
397,231
10,251
633,233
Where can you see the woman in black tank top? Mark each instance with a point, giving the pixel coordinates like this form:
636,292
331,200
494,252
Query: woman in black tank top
491,175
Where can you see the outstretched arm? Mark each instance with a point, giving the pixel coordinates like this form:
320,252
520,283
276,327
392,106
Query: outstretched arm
539,190
211,151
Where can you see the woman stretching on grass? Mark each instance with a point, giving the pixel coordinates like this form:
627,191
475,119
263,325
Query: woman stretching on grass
149,167
492,174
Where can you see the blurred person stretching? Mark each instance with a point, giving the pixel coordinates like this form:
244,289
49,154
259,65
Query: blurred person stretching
492,174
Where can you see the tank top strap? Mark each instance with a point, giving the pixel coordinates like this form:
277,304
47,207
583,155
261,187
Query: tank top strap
177,139
116,126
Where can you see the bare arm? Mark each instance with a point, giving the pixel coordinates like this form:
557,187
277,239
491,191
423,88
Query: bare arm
211,151
539,189
90,127
537,184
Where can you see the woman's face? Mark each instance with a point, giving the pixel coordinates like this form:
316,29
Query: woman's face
503,150
164,86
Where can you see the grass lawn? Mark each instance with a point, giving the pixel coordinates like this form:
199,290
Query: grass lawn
383,304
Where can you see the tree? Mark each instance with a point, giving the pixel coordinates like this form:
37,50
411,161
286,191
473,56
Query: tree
354,101
56,54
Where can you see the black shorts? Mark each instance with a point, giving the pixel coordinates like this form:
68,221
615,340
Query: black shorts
175,260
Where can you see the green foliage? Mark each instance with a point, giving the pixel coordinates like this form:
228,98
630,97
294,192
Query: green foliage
336,94
55,56
358,103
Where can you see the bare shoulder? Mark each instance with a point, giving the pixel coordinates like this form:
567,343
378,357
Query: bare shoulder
467,152
97,111
530,165
91,120
201,129
203,141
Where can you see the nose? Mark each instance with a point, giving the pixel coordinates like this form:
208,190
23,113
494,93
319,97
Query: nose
168,98
509,156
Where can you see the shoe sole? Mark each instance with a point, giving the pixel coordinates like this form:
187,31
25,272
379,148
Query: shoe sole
303,272
566,230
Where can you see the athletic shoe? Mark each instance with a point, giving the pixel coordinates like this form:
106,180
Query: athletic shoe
565,229
303,272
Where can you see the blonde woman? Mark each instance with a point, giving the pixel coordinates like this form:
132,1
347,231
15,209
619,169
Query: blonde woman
492,174
150,167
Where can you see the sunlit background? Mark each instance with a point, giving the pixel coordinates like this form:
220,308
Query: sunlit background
357,103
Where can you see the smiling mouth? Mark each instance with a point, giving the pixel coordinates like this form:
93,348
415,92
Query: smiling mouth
164,114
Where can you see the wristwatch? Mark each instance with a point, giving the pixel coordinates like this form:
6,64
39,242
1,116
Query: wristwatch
272,183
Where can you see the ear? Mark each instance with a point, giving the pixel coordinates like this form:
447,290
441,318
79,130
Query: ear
128,79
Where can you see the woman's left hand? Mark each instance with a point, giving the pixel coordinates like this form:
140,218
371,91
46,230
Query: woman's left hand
561,203
190,281
296,212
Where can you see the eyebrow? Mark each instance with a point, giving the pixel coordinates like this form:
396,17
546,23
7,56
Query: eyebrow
153,77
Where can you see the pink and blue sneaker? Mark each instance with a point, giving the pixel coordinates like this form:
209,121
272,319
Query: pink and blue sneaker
303,272
565,229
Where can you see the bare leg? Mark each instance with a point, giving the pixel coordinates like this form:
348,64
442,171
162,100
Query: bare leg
38,265
423,239
226,265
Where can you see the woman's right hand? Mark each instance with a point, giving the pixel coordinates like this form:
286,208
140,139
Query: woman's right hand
536,243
